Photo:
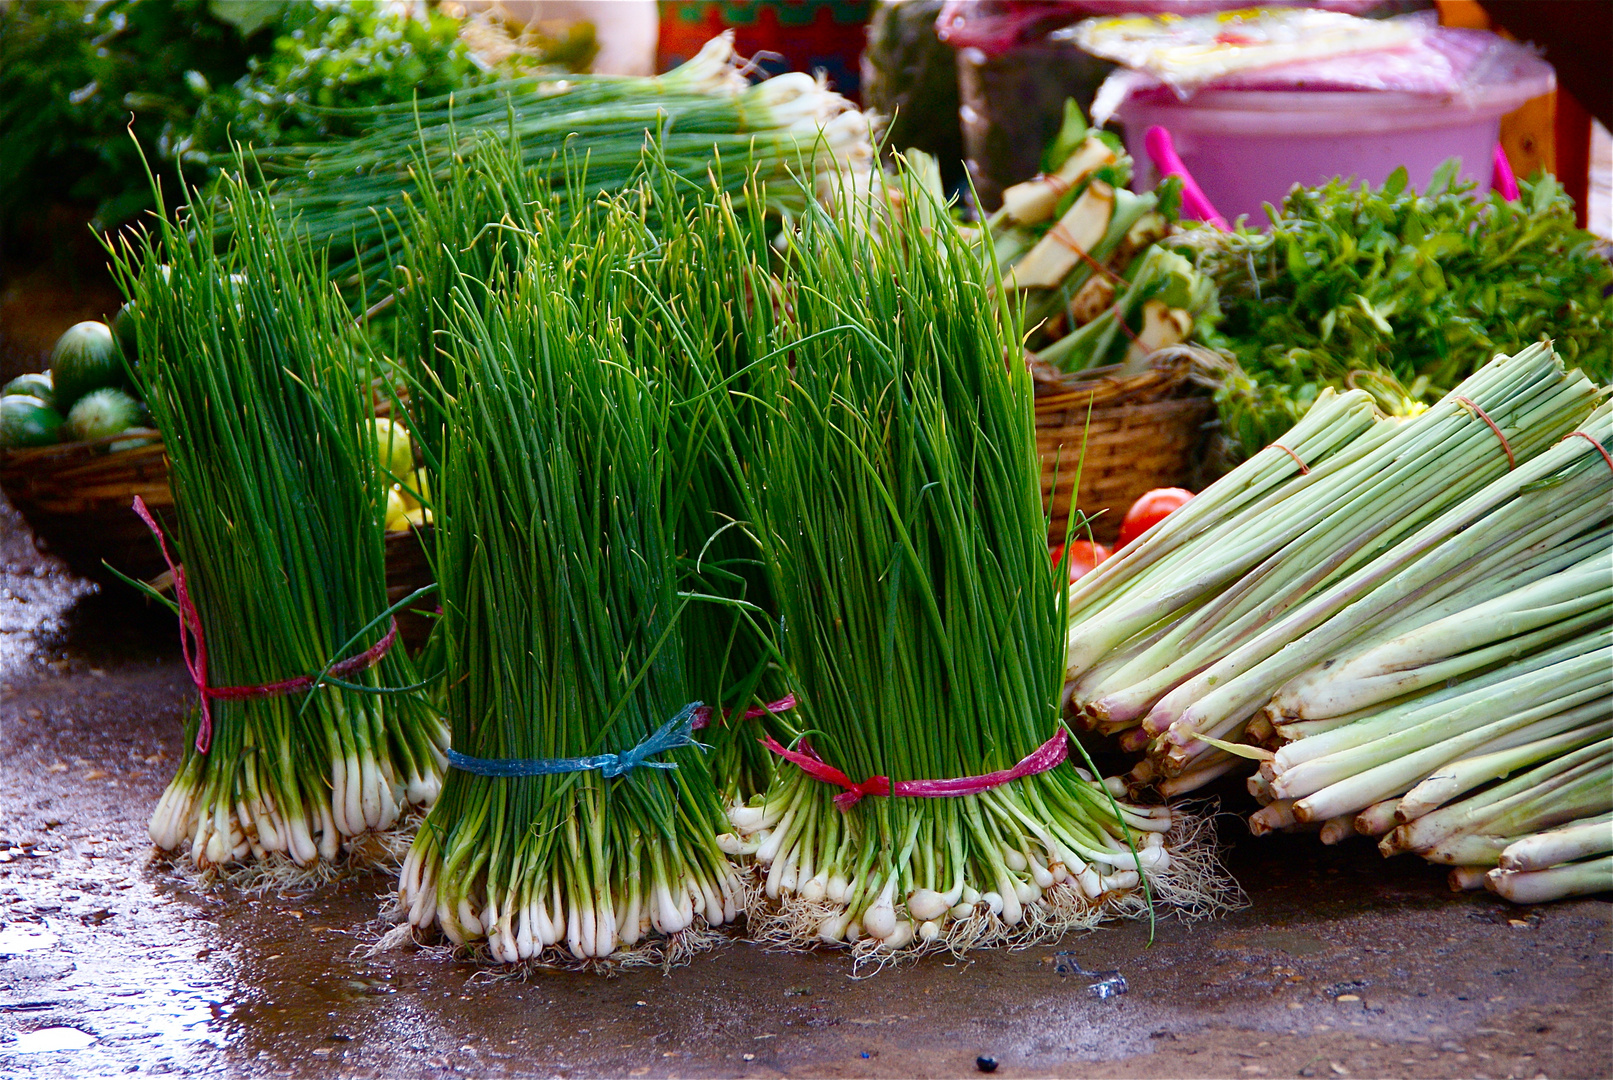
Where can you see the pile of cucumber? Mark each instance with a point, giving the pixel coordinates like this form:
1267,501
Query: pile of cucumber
85,395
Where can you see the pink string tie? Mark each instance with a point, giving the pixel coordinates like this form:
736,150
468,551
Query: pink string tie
193,646
1049,755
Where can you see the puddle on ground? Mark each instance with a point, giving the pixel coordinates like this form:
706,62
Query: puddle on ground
49,1040
15,940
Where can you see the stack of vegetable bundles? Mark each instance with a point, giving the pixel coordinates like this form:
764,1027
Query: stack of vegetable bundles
309,734
1394,613
925,803
1475,729
1184,635
1086,253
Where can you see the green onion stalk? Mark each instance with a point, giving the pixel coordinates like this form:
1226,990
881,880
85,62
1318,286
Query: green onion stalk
1192,638
259,384
563,631
348,193
899,507
696,307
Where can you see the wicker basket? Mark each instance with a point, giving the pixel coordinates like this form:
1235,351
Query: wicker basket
77,498
1124,434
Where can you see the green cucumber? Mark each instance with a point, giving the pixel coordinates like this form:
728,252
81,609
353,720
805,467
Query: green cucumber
102,413
36,384
27,421
85,358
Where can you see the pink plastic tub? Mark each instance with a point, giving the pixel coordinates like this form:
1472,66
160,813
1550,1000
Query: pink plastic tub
1249,147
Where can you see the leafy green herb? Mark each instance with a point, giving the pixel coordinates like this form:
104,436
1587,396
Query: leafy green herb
1401,293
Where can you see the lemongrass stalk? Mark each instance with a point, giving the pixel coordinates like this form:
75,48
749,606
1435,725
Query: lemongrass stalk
1354,787
1516,623
1467,878
1200,707
1563,732
1501,574
1447,705
1253,671
1377,819
1547,788
1569,843
1540,886
1219,535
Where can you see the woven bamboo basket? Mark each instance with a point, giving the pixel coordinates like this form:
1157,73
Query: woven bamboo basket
77,497
1121,433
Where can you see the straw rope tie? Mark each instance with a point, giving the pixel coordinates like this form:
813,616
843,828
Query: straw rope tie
1049,755
1304,470
1060,186
1512,462
193,646
1588,437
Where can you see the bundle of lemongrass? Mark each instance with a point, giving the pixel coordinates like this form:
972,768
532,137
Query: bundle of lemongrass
1182,637
310,733
698,259
1085,252
897,498
1475,729
576,813
706,111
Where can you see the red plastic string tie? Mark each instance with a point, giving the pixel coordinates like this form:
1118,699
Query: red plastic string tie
1049,755
1303,469
1512,462
194,648
1600,449
702,715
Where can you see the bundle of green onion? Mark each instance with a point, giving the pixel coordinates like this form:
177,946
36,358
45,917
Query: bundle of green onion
680,260
563,630
1086,254
348,193
898,504
1479,723
253,373
1188,632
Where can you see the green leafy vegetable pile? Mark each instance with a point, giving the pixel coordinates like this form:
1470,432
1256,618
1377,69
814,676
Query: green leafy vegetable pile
1402,294
191,77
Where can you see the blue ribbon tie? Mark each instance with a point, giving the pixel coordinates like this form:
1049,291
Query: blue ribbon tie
675,733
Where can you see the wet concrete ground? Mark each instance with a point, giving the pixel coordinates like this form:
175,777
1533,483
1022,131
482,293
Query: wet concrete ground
1342,965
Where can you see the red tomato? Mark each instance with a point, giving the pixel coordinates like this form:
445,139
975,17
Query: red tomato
1149,510
1084,556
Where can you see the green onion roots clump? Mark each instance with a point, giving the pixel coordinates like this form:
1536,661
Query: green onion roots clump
896,498
258,382
563,631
